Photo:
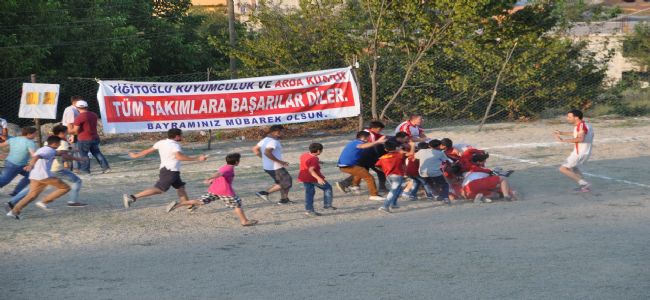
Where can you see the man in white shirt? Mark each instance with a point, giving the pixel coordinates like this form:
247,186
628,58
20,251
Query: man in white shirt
69,114
171,156
270,150
583,136
5,131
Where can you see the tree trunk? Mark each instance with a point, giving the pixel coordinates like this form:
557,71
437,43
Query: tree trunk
496,86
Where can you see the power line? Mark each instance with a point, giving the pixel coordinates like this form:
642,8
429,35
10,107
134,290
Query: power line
81,42
127,4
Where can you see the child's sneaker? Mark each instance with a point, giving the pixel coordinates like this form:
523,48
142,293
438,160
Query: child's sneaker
171,206
383,209
330,207
127,200
376,198
263,194
42,206
394,206
342,187
355,190
312,213
11,215
285,201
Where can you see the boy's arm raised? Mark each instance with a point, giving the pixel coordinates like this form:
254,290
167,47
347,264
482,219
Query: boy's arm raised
141,153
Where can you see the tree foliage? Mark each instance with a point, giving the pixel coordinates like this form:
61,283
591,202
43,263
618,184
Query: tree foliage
637,45
103,38
436,57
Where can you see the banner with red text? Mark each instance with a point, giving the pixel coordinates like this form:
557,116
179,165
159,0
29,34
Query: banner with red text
154,106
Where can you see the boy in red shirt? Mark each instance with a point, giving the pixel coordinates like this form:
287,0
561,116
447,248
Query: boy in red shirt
392,163
221,189
311,178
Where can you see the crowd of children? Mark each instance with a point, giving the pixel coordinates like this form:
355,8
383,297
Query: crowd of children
445,171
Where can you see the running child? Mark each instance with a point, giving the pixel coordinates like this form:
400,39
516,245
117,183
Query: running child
269,149
171,156
40,176
220,189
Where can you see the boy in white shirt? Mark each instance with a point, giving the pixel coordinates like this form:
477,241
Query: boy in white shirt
171,156
41,177
270,150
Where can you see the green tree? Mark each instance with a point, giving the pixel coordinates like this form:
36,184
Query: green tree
637,45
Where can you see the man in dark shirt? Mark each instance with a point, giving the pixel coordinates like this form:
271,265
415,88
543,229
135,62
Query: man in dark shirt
85,127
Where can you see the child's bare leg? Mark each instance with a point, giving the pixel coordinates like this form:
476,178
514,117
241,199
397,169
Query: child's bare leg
148,192
505,187
274,188
242,217
576,176
189,203
182,195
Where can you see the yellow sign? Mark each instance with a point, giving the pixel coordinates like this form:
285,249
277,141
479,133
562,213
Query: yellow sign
49,98
32,98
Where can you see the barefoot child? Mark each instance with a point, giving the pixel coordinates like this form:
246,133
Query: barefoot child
221,189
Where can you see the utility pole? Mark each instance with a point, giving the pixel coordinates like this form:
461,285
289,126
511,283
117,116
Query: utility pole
209,130
233,35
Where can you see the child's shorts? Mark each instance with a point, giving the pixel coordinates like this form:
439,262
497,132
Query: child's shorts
230,201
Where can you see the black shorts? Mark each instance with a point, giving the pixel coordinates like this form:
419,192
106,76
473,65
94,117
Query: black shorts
281,176
169,179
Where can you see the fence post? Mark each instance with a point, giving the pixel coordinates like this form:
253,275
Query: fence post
355,64
209,130
37,121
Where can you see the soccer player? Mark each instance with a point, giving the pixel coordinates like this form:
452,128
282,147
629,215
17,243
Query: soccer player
171,156
583,137
412,128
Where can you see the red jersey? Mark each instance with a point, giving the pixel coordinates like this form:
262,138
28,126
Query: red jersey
452,154
373,136
412,166
308,160
410,129
392,163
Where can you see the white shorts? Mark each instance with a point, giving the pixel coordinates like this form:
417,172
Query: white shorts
574,160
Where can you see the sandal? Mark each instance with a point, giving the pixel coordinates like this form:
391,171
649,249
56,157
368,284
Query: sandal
250,223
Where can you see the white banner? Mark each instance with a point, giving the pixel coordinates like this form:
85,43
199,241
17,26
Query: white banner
39,100
158,106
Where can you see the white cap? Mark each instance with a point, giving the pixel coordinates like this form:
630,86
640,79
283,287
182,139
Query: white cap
81,104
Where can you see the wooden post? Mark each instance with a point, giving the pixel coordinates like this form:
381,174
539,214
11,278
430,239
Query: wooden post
356,78
232,35
37,122
209,130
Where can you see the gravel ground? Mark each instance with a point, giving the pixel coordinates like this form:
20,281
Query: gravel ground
551,244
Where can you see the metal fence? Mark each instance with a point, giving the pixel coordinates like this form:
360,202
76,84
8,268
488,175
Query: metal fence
449,94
